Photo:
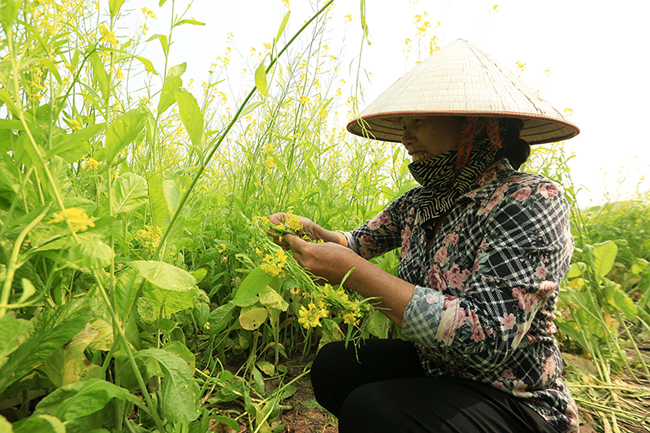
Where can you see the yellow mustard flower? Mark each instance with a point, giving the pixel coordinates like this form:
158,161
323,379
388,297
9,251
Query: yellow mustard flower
108,36
78,218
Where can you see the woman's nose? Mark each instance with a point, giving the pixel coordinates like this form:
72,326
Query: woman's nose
407,137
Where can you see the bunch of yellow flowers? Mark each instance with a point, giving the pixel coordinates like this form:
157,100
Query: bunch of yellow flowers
274,264
78,219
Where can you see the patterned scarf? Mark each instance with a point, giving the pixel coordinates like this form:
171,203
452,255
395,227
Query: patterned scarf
441,185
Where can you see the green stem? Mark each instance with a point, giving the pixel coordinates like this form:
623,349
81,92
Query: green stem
13,261
129,353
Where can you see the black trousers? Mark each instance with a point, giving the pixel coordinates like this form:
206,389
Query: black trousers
382,388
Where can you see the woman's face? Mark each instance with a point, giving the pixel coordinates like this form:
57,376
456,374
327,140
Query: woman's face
426,137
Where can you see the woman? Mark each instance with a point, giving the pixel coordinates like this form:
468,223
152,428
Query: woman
483,250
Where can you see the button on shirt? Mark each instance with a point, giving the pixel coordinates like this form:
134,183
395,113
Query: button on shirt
487,288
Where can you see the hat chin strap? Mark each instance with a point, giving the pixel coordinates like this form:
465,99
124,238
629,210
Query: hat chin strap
471,128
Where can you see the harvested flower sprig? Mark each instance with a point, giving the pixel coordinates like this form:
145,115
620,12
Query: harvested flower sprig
321,300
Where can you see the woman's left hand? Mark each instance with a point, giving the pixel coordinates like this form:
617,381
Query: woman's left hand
328,260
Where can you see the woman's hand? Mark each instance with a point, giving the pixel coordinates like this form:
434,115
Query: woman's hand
329,261
309,228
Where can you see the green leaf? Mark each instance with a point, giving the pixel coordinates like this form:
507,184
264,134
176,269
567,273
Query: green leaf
5,426
254,282
81,399
157,201
39,424
167,97
129,193
285,20
227,421
625,304
252,317
191,21
72,147
180,392
8,13
180,350
191,116
13,331
68,364
148,66
169,289
125,290
28,290
173,189
176,71
260,79
123,131
272,299
100,77
161,3
219,319
249,109
603,257
51,329
115,6
90,252
163,42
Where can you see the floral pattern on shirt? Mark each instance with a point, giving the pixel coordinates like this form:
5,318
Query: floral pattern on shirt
486,290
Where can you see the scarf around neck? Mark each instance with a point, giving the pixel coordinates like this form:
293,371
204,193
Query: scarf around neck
440,184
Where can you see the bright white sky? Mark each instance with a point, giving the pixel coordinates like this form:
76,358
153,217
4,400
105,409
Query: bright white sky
596,52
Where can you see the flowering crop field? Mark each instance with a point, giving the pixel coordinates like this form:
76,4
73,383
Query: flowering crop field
141,290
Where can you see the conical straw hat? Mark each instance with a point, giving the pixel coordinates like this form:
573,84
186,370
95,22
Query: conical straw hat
461,80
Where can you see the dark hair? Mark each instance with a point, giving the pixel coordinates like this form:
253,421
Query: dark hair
512,147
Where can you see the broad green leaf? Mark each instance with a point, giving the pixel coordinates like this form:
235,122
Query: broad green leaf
285,20
51,329
115,6
378,324
176,71
604,255
104,338
81,399
39,424
11,124
123,131
180,392
13,331
219,319
180,350
272,299
126,288
90,253
8,13
252,317
254,282
191,116
625,304
68,364
6,98
99,73
167,97
157,202
173,189
227,421
260,79
169,289
72,147
129,193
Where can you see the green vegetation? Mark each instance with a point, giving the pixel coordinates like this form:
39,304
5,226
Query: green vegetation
139,289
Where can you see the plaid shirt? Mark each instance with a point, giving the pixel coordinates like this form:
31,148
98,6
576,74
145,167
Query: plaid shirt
487,288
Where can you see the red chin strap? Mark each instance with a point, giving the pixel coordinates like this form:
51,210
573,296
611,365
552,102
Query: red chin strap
472,126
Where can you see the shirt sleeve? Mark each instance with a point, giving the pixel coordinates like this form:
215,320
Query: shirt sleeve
505,298
384,232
